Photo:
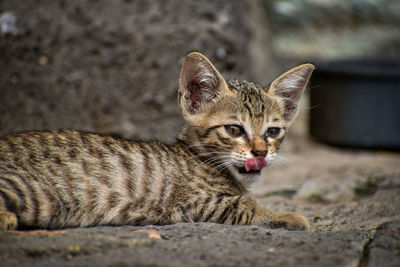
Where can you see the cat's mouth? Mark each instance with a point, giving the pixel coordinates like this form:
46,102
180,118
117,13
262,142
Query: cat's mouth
242,170
250,171
253,166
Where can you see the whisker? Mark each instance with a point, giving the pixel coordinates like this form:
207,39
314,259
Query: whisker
286,160
221,156
205,145
213,153
220,166
205,154
281,161
223,165
217,161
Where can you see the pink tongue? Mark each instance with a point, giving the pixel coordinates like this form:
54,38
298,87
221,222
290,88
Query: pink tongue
255,163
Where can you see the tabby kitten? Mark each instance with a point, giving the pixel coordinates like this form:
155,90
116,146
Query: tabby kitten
57,179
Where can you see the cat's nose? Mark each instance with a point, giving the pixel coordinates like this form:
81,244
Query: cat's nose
259,153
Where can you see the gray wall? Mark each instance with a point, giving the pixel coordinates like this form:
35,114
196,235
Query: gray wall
113,66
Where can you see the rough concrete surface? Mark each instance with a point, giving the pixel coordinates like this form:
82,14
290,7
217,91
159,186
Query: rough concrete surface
198,244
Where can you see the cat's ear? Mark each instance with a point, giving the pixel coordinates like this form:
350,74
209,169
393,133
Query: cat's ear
289,87
200,84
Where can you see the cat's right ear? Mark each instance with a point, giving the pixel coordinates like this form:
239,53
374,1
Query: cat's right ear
200,84
289,87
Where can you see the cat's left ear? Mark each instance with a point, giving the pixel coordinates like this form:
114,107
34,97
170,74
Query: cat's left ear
200,84
289,87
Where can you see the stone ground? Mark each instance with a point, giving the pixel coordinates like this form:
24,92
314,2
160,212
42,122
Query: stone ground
351,198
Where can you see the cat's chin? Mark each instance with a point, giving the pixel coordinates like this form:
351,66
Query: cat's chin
246,177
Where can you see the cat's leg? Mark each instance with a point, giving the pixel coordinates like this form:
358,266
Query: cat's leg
287,220
245,210
8,221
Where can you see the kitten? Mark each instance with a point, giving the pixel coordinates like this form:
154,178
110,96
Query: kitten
57,179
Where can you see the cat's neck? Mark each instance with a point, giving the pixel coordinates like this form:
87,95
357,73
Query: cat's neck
213,173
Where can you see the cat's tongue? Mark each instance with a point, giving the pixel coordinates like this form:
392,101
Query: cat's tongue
255,163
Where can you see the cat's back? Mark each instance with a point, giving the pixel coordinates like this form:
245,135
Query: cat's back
66,149
53,147
76,158
80,176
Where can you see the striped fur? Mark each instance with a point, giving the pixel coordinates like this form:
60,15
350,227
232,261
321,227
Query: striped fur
57,179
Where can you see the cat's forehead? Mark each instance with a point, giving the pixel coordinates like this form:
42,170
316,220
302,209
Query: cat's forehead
248,92
244,86
252,98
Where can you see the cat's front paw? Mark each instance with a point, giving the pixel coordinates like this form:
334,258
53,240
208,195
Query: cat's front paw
8,221
293,221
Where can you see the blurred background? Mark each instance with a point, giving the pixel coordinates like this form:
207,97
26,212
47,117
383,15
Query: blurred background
113,66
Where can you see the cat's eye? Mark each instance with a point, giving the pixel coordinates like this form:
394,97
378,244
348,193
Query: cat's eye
273,132
234,130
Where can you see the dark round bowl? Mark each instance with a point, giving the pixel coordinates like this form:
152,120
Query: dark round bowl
356,104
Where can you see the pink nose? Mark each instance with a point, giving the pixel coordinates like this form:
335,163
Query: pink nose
256,163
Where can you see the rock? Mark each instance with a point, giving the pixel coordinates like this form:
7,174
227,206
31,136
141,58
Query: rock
326,191
384,248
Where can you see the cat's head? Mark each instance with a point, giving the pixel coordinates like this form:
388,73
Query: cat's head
237,126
